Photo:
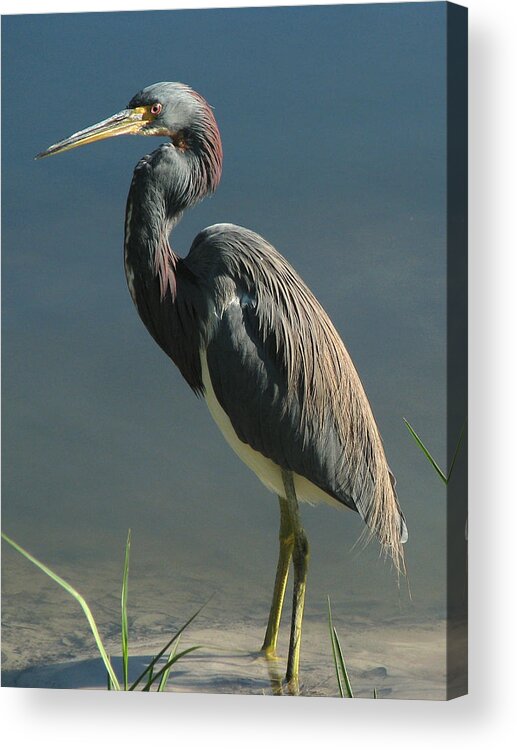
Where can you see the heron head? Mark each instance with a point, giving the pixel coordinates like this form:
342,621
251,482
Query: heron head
164,109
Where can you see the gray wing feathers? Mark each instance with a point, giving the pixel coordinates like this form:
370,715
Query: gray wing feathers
286,381
250,385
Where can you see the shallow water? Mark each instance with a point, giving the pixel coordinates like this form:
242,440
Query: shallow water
47,642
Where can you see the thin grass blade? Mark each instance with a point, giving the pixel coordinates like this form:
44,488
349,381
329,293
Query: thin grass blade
375,693
342,664
458,446
108,679
334,652
158,656
149,681
123,602
77,596
165,675
169,664
426,452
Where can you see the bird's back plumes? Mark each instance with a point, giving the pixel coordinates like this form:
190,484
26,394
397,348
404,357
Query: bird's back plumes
324,428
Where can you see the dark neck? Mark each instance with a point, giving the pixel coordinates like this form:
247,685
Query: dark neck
158,196
165,184
174,177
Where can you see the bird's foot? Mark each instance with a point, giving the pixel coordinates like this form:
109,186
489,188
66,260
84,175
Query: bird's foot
270,653
274,671
293,685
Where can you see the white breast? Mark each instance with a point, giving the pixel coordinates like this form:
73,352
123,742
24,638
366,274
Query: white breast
266,470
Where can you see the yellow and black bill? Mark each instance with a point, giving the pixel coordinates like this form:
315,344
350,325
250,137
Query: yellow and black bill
128,121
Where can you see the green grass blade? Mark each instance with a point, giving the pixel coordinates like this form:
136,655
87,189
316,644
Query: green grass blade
375,693
165,648
163,679
458,446
125,646
149,680
165,675
426,453
342,664
108,678
334,652
169,664
77,596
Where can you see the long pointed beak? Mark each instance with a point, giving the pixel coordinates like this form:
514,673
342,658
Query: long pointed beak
127,121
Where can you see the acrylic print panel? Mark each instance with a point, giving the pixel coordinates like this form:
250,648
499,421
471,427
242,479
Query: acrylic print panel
344,140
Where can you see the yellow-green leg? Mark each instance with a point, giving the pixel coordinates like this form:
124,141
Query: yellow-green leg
286,538
300,565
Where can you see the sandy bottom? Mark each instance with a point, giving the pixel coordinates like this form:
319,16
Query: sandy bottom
46,642
398,662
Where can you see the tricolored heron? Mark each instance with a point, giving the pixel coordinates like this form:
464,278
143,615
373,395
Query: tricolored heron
247,334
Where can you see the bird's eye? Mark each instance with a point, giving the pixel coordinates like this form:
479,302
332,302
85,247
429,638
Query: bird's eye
156,108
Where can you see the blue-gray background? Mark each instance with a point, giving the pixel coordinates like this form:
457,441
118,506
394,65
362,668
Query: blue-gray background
333,126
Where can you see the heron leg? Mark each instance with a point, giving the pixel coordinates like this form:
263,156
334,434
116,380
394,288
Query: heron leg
300,565
286,538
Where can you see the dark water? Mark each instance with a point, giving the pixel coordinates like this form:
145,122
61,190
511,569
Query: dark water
333,123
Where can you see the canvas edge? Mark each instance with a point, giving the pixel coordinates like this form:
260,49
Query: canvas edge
457,350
